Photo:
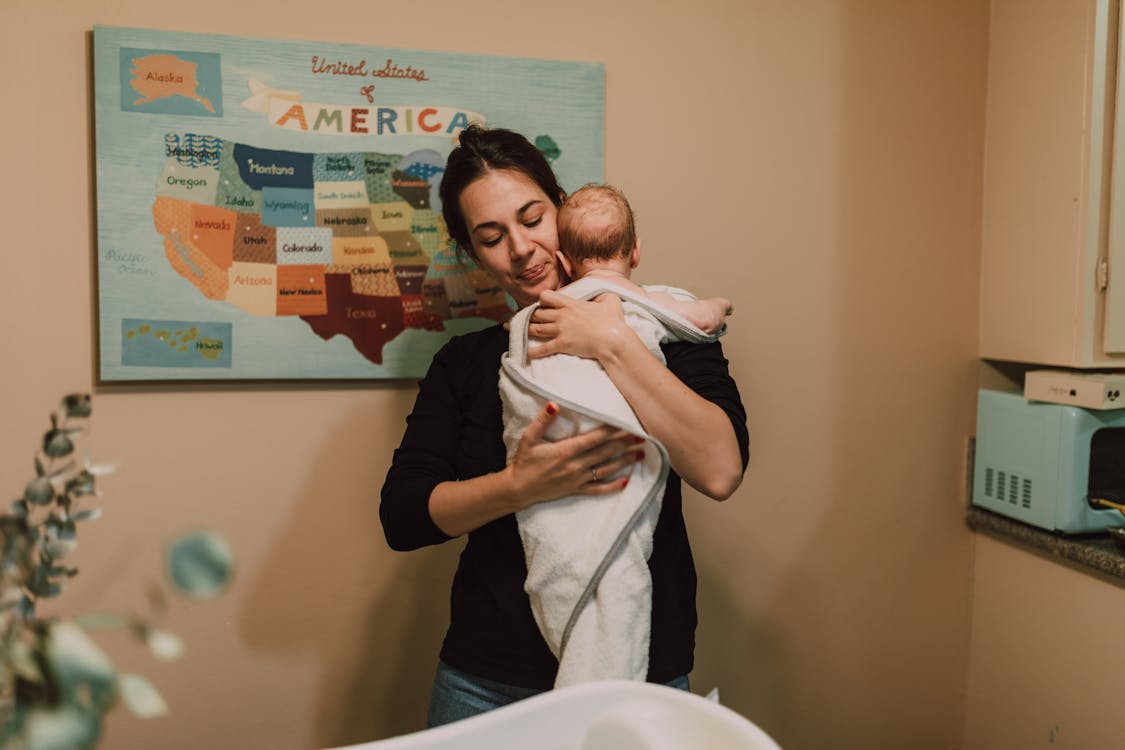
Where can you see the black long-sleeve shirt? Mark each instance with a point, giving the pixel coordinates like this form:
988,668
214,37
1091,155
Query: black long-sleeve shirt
455,432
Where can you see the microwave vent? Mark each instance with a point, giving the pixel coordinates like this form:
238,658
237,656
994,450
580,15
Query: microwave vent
1008,487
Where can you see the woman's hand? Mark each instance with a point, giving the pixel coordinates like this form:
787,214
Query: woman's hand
593,330
541,470
544,470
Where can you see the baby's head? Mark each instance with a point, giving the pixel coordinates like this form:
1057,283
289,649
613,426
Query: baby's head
596,227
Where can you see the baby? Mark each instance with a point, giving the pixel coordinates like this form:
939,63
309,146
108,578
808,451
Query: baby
587,560
598,238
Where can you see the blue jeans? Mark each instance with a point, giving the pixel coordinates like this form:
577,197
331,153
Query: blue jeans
457,695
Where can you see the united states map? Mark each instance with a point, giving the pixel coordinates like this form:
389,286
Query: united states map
352,243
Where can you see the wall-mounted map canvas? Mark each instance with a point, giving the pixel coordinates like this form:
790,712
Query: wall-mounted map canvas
268,209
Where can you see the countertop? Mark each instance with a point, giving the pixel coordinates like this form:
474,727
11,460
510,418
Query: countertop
1096,554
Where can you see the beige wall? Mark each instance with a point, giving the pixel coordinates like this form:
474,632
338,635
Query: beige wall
819,163
1045,668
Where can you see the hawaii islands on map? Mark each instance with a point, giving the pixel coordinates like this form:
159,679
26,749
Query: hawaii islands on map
348,242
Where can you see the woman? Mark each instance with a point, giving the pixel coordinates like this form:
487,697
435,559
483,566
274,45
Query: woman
449,475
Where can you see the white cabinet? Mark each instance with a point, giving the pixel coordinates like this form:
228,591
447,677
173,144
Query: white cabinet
1053,219
1114,308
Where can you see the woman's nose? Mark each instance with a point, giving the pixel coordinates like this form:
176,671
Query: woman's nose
521,244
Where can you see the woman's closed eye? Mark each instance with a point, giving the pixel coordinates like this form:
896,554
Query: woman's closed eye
532,214
493,241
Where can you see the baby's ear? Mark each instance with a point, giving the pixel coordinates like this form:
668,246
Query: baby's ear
635,256
564,261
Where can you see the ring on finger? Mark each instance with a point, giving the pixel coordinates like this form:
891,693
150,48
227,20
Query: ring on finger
594,472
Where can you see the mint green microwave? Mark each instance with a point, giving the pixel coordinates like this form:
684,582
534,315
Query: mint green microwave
1043,463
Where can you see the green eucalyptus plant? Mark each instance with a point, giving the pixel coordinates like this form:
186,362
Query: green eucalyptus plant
56,685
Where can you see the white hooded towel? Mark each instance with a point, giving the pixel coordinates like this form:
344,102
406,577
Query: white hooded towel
587,557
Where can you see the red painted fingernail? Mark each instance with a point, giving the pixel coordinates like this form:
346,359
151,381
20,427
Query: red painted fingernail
640,455
638,439
624,483
552,409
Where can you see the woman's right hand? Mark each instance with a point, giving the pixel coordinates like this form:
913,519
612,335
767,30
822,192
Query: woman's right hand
540,470
543,470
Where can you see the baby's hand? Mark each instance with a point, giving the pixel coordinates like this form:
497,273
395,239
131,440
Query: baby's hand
716,311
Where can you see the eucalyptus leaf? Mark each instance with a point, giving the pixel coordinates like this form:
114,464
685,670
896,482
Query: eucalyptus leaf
164,645
200,564
77,405
84,672
42,586
81,484
90,514
101,621
11,725
141,697
27,607
21,657
19,509
61,570
100,469
59,540
16,574
65,728
39,491
56,444
40,581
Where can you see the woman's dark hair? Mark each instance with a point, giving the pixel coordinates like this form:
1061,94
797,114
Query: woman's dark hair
482,150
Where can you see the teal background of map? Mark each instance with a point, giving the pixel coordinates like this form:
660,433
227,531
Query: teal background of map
561,99
149,350
208,75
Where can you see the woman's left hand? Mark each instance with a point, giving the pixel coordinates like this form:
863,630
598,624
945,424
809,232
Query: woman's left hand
565,325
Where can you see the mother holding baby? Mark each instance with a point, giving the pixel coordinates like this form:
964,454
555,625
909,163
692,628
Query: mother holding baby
450,475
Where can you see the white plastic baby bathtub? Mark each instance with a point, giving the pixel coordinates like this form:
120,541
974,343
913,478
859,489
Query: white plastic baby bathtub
595,716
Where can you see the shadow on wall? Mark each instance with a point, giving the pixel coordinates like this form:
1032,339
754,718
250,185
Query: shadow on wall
330,586
885,620
388,688
742,657
892,549
854,588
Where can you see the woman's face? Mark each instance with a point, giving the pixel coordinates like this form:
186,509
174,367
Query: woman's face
511,224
